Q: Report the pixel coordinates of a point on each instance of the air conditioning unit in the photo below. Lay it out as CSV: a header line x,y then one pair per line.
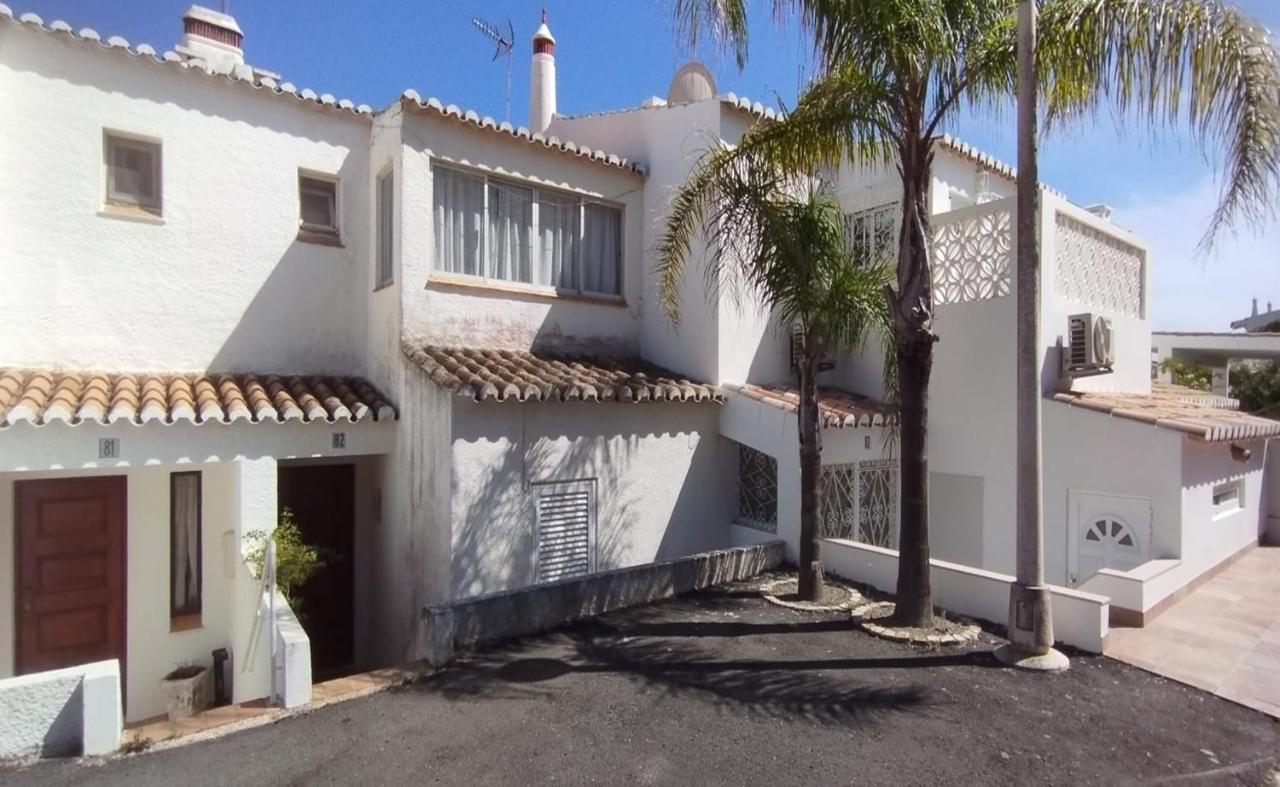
x,y
1089,346
825,364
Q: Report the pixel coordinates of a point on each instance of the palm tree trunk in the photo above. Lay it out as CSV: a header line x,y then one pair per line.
x,y
810,469
912,305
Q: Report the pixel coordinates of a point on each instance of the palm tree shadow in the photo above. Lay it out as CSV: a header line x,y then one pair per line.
x,y
823,691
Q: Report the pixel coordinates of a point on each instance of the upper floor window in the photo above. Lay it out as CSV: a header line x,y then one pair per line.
x,y
133,173
499,229
317,209
875,231
385,226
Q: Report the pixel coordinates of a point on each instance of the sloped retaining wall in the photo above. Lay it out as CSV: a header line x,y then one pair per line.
x,y
497,616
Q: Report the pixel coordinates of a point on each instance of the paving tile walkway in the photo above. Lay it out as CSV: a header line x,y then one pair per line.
x,y
1223,637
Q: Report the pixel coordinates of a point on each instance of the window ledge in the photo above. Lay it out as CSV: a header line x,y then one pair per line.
x,y
131,213
189,622
320,238
463,282
386,285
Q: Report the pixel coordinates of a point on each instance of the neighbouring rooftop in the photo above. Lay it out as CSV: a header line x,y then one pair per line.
x,y
1195,413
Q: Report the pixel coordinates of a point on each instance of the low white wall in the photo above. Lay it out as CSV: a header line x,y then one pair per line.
x,y
62,712
1079,618
293,656
1138,589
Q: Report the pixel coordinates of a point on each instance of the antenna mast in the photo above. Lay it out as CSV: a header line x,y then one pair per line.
x,y
505,42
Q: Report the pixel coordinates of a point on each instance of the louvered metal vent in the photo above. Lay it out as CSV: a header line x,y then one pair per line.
x,y
1079,337
566,525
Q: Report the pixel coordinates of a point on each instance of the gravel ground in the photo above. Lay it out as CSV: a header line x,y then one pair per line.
x,y
722,687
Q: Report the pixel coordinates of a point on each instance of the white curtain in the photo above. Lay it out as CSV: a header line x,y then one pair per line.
x,y
557,241
459,220
185,542
602,249
510,219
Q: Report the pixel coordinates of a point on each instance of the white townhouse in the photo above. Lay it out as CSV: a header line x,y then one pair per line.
x,y
435,338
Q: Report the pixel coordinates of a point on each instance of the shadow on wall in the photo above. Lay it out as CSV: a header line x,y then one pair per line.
x,y
495,540
306,317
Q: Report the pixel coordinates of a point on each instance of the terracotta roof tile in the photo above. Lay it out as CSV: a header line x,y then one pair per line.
x,y
45,396
837,409
523,376
244,75
1182,409
410,98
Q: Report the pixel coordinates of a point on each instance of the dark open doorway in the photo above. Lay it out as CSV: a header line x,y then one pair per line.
x,y
322,499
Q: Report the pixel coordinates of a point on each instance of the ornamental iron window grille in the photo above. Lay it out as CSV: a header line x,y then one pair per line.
x,y
757,490
878,503
860,502
875,231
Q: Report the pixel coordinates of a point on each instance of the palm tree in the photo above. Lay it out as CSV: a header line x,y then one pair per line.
x,y
895,71
778,239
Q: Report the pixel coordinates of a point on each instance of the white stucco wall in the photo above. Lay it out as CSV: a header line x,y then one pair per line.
x,y
656,471
1090,452
1208,539
668,141
473,316
222,283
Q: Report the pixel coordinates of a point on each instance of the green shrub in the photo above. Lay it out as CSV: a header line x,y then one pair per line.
x,y
296,561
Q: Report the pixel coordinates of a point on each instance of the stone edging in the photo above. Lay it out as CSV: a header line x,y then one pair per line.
x,y
967,632
766,591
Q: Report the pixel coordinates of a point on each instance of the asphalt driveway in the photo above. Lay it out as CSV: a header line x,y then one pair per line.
x,y
723,688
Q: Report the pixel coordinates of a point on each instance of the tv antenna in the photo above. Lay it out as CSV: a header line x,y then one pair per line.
x,y
505,42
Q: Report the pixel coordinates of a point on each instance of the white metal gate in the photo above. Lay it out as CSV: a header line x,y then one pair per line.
x,y
565,522
1107,531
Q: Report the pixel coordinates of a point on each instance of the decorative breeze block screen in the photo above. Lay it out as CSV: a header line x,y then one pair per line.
x,y
757,490
1096,269
971,257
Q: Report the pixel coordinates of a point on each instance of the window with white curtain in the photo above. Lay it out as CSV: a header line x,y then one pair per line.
x,y
499,229
184,547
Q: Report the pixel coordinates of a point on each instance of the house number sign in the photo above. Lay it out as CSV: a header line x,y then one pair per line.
x,y
108,448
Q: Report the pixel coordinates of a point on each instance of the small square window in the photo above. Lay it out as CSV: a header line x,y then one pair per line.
x,y
1228,497
133,173
317,208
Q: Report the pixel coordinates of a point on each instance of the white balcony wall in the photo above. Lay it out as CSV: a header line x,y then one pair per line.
x,y
222,283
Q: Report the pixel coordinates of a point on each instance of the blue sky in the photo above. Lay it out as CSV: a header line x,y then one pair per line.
x,y
614,53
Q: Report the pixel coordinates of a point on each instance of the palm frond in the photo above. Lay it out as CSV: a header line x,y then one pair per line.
x,y
1168,61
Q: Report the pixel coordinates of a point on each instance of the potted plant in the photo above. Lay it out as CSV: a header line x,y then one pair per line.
x,y
187,688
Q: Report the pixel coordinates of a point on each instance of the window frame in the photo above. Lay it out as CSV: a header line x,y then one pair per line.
x,y
535,233
385,227
188,617
316,233
111,140
1232,493
866,238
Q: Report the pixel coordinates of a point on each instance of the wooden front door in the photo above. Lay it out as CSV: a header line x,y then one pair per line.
x,y
322,499
70,572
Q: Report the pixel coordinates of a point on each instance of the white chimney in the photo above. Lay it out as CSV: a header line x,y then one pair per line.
x,y
212,38
542,79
